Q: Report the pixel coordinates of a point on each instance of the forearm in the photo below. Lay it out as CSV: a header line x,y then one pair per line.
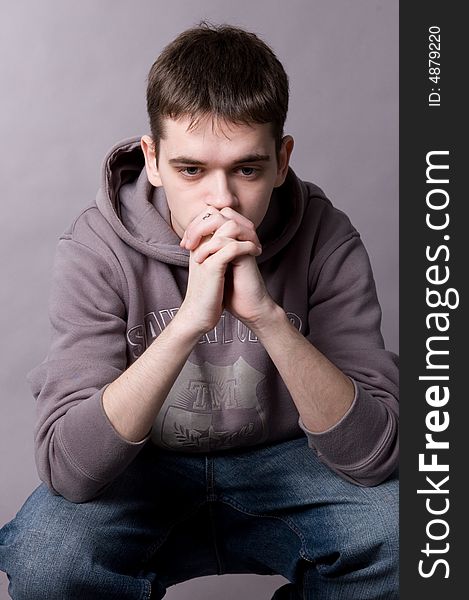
x,y
320,391
134,399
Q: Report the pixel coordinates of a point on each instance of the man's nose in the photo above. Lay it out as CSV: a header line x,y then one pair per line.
x,y
221,194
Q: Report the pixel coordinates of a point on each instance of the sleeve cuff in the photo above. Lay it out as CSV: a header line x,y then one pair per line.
x,y
354,438
92,444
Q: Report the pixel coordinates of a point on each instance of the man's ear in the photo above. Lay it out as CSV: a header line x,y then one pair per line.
x,y
284,159
148,148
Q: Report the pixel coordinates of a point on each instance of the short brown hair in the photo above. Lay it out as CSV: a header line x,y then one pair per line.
x,y
223,71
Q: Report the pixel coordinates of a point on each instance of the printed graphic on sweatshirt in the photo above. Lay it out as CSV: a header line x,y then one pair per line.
x,y
227,330
212,407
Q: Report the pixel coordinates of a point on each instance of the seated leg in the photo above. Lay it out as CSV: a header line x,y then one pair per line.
x,y
56,549
282,509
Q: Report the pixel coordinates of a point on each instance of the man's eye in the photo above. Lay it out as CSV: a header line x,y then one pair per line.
x,y
248,171
190,171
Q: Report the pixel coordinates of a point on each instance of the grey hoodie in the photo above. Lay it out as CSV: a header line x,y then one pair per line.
x,y
119,277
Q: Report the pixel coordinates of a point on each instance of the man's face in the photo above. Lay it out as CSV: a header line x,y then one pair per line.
x,y
216,165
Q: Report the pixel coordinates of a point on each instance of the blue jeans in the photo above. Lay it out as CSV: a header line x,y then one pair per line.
x,y
171,517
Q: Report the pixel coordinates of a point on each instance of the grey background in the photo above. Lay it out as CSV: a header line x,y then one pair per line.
x,y
72,77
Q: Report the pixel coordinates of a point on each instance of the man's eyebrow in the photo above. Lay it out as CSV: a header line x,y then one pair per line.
x,y
249,158
256,157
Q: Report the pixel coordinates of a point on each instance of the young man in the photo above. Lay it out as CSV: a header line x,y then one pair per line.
x,y
217,397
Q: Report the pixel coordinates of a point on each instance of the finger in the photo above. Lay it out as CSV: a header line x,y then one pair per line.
x,y
219,222
223,254
235,230
209,246
203,225
229,213
228,232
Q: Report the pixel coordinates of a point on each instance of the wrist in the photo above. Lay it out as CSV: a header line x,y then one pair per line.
x,y
185,327
270,316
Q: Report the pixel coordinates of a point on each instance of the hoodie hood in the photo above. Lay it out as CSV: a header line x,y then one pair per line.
x,y
139,214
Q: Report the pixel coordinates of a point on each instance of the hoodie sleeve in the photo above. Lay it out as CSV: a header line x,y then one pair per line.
x,y
78,451
344,324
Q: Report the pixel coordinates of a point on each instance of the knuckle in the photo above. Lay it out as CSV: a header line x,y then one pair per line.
x,y
228,228
233,225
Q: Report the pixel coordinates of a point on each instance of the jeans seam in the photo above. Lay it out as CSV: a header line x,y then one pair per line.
x,y
288,522
147,590
156,545
211,497
210,479
214,538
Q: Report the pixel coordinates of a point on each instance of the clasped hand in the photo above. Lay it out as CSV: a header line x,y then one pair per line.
x,y
223,272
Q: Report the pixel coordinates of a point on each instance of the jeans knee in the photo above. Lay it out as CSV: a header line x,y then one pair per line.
x,y
386,520
373,539
363,530
38,570
74,562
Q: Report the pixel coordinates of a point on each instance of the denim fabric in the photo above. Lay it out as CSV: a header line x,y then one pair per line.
x,y
171,517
